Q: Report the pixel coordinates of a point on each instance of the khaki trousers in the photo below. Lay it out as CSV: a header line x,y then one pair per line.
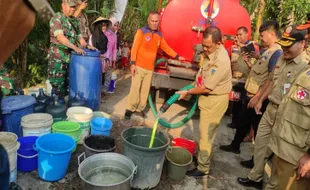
x,y
212,109
261,149
285,174
139,90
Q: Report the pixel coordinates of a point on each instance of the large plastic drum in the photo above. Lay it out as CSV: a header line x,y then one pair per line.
x,y
13,109
86,77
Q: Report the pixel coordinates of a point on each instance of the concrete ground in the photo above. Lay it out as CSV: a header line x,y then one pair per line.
x,y
225,167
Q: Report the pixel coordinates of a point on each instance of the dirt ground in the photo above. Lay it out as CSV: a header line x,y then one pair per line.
x,y
225,167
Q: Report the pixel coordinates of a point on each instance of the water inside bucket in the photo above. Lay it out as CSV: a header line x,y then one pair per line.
x,y
106,175
144,141
100,142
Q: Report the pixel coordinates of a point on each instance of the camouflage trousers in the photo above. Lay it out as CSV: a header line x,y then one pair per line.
x,y
58,75
58,70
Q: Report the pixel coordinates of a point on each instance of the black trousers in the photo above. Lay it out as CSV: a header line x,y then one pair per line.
x,y
247,119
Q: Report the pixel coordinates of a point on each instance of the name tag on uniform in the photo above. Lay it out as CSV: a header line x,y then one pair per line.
x,y
286,88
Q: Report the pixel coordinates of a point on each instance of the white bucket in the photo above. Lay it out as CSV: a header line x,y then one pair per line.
x,y
37,124
81,115
10,144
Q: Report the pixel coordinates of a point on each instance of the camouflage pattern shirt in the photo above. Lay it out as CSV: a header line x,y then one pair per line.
x,y
84,26
69,27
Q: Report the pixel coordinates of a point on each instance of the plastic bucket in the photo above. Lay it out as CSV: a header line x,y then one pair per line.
x,y
81,115
69,128
13,109
54,153
149,161
10,144
106,171
178,161
95,144
101,126
185,143
101,114
37,124
27,157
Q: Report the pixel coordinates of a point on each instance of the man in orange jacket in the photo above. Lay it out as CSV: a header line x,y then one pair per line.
x,y
143,54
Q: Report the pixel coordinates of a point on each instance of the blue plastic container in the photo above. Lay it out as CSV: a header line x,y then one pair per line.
x,y
101,126
13,109
86,77
27,157
112,86
54,153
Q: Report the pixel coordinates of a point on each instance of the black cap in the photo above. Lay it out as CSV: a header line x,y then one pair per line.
x,y
291,36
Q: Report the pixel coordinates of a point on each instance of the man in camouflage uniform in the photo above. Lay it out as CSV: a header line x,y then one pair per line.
x,y
65,36
7,84
82,17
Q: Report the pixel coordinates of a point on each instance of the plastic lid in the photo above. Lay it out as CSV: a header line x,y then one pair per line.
x,y
91,53
12,103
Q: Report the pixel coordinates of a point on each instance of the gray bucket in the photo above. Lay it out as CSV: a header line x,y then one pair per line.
x,y
106,171
149,161
178,161
95,144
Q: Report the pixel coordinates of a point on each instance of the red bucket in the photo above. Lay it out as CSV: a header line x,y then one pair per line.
x,y
184,143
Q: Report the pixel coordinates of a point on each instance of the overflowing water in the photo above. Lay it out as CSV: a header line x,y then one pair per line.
x,y
154,130
106,176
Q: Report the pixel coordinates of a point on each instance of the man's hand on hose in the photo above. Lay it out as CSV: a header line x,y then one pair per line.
x,y
133,69
303,167
79,51
182,93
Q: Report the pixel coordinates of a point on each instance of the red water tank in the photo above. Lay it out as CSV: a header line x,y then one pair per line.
x,y
180,16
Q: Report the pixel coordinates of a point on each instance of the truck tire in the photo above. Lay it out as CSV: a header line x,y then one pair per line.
x,y
160,96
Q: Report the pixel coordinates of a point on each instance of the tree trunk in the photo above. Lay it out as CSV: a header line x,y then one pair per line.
x,y
22,61
259,21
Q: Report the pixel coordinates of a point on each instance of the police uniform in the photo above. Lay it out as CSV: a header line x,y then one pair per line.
x,y
283,75
59,55
258,75
214,74
290,137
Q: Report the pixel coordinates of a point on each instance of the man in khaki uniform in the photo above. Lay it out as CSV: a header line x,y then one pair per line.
x,y
293,62
258,75
290,139
213,83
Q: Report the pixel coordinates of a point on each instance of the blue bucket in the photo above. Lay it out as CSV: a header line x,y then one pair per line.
x,y
13,175
101,126
54,153
27,157
13,109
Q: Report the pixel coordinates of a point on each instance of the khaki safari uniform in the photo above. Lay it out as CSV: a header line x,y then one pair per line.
x,y
259,72
214,74
290,137
59,55
283,75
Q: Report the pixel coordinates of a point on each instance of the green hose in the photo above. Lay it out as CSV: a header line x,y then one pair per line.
x,y
178,124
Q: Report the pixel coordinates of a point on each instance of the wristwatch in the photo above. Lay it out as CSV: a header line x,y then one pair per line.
x,y
42,7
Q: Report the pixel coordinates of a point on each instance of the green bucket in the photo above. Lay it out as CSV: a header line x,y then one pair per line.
x,y
178,161
69,128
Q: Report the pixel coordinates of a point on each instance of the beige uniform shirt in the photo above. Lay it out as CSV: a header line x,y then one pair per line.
x,y
284,74
259,71
290,138
215,72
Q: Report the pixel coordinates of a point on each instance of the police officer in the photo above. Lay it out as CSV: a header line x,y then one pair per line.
x,y
213,83
65,36
293,61
258,75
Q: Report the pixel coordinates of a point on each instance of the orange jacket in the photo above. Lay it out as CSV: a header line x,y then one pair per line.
x,y
145,46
